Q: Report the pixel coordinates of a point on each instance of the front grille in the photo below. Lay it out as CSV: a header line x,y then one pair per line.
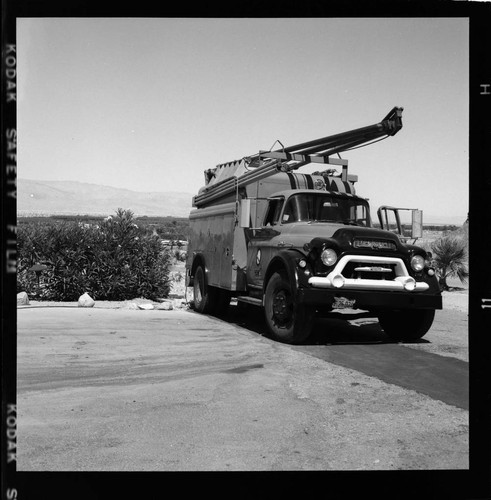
x,y
364,270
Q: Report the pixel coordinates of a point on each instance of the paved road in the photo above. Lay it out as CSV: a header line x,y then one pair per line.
x,y
117,389
360,344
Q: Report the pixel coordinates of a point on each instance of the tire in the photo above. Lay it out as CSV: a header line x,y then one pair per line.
x,y
406,325
287,321
203,294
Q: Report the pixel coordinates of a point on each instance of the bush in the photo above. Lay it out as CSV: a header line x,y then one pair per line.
x,y
450,259
114,260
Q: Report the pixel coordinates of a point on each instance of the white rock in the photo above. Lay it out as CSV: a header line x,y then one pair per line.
x,y
166,306
22,299
147,307
86,300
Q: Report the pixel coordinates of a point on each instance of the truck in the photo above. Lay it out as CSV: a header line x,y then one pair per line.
x,y
303,245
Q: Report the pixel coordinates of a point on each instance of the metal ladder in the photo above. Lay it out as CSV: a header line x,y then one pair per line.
x,y
267,163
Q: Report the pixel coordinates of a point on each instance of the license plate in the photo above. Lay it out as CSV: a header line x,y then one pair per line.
x,y
343,303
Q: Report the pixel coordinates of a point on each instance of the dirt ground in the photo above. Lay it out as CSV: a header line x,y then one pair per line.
x,y
116,389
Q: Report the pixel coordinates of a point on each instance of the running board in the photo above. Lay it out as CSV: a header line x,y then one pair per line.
x,y
250,300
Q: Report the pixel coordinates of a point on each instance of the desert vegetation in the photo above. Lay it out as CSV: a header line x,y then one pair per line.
x,y
111,259
450,256
168,228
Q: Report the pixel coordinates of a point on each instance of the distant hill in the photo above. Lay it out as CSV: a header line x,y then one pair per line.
x,y
444,219
81,198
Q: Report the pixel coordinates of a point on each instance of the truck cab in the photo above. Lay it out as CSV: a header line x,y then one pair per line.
x,y
292,218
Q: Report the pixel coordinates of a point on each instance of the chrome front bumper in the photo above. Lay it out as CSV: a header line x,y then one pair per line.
x,y
403,281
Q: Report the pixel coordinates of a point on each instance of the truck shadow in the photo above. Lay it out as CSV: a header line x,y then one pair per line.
x,y
337,329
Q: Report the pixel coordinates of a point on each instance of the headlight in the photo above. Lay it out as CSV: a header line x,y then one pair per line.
x,y
329,257
417,263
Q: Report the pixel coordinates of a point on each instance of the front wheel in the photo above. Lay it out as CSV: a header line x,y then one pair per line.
x,y
287,321
406,325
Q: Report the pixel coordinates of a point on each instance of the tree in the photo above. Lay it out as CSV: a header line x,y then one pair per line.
x,y
450,259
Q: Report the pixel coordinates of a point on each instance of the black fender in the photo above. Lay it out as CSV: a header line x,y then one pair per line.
x,y
320,242
431,281
286,260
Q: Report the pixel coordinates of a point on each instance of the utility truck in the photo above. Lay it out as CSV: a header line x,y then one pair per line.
x,y
299,245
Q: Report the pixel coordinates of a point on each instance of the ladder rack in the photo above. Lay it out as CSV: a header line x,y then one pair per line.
x,y
267,163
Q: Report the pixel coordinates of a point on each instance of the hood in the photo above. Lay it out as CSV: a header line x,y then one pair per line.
x,y
344,238
310,229
330,229
315,233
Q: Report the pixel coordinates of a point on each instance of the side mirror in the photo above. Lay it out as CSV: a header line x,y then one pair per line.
x,y
417,224
245,213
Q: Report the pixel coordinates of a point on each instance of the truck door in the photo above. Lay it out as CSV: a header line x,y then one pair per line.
x,y
260,250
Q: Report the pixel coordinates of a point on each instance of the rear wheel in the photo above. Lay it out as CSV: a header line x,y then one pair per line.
x,y
203,294
406,325
208,299
287,321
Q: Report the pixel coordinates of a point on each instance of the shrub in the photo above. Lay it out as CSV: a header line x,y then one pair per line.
x,y
114,260
450,259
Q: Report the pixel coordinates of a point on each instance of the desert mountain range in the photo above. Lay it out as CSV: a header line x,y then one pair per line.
x,y
82,198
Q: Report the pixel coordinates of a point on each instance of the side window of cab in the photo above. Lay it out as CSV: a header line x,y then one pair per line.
x,y
273,211
296,209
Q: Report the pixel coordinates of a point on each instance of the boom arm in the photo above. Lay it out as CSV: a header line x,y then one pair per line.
x,y
319,150
316,151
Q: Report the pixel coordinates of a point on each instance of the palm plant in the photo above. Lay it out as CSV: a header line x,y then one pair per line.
x,y
450,259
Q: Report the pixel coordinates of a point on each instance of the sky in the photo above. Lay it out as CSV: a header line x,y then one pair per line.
x,y
149,104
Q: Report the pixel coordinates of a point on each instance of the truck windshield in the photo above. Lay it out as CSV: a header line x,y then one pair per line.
x,y
326,207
